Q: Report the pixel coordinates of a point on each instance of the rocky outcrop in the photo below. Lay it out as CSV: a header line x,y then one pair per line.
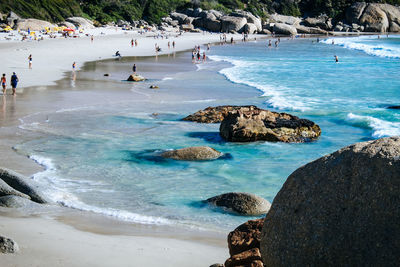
x,y
322,22
393,107
7,245
309,30
241,203
285,29
193,153
255,124
23,185
214,114
12,19
340,210
249,17
6,190
245,236
80,22
12,201
179,17
251,257
135,78
250,28
232,24
374,17
33,25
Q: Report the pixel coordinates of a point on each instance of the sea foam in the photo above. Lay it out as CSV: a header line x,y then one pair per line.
x,y
380,128
366,44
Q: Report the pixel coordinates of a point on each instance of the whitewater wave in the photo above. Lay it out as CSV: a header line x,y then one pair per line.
x,y
380,128
56,192
364,44
277,96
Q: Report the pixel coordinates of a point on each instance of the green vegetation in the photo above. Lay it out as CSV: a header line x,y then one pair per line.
x,y
153,10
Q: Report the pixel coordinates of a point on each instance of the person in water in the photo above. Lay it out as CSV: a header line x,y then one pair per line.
x,y
30,61
4,83
134,68
117,54
336,59
14,82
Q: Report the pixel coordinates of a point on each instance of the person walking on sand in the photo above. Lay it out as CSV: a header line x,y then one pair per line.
x,y
169,45
4,83
73,66
14,82
134,68
30,61
91,38
173,44
132,43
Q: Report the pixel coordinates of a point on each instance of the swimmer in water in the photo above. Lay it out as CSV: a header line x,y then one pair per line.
x,y
336,59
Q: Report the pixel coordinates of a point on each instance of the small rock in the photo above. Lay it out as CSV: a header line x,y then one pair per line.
x,y
154,87
135,78
217,265
7,245
106,74
193,153
241,203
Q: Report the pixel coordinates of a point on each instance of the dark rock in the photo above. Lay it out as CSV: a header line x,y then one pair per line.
x,y
241,203
317,22
154,87
106,74
6,190
178,16
340,210
193,153
8,245
254,124
213,114
217,265
245,236
354,12
23,184
393,107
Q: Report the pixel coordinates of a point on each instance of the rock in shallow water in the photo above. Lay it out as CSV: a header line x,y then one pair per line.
x,y
241,203
340,210
255,124
213,114
135,78
193,153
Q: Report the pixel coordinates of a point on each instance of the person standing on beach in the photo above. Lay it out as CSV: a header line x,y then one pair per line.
x,y
91,38
204,57
134,68
132,43
173,44
14,82
73,66
30,61
169,45
4,83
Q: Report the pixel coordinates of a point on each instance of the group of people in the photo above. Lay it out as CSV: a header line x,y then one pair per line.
x,y
277,41
196,54
14,83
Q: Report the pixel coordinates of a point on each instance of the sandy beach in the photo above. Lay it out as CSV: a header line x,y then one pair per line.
x,y
63,237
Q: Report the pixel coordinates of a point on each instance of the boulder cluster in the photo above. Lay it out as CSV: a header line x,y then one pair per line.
x,y
250,123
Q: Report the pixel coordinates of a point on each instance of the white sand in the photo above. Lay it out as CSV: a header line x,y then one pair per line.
x,y
47,242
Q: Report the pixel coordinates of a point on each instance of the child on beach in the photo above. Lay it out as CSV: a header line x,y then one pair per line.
x,y
30,61
14,82
4,83
73,66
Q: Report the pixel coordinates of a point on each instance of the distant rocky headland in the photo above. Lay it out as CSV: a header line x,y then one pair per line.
x,y
358,17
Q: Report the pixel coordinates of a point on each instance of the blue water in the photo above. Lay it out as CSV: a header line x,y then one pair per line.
x,y
104,158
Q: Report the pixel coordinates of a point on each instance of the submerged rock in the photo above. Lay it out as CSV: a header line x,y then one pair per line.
x,y
241,203
214,114
340,210
193,153
135,78
7,245
255,124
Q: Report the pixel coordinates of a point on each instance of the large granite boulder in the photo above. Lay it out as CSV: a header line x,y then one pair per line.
x,y
354,12
232,24
216,13
309,30
212,25
285,29
276,18
340,210
393,15
246,236
214,114
241,203
80,22
250,28
255,124
13,201
23,185
7,245
12,19
33,25
193,153
374,19
178,16
320,22
249,17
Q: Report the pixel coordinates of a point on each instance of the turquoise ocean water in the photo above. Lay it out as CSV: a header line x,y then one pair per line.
x,y
104,158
